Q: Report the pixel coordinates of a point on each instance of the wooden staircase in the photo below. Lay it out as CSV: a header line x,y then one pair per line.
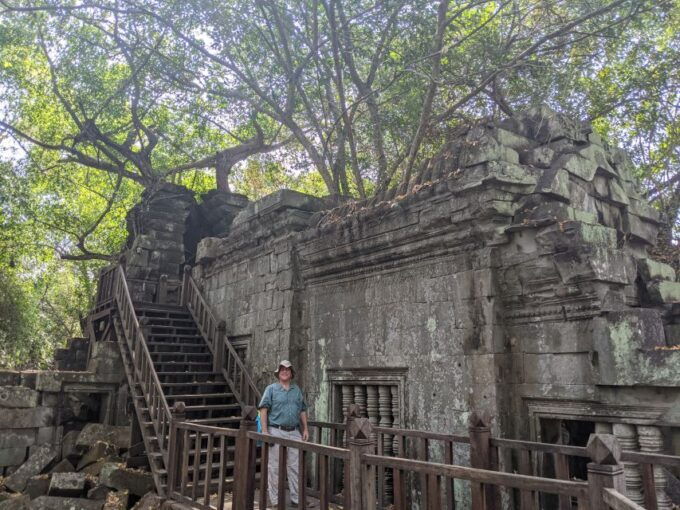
x,y
179,369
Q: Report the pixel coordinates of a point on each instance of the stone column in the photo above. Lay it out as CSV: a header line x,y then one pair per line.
x,y
347,397
372,406
385,410
603,428
651,441
396,421
360,398
627,437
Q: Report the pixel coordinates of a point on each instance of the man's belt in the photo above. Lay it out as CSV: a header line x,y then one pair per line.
x,y
285,428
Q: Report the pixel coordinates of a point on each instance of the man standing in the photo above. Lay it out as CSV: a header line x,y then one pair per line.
x,y
283,413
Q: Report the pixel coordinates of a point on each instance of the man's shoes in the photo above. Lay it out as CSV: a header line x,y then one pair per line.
x,y
294,504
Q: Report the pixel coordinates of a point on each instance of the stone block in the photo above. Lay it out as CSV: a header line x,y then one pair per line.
x,y
18,396
98,451
68,445
672,332
14,438
93,432
118,477
651,270
568,234
67,484
10,378
47,435
150,501
37,486
35,464
12,456
50,399
58,503
18,502
545,125
595,263
565,368
540,157
63,466
554,183
664,292
577,165
98,492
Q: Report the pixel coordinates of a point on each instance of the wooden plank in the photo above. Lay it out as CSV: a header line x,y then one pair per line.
x,y
424,455
562,473
434,489
566,487
222,474
208,471
527,498
302,480
197,464
399,478
648,487
283,454
264,475
617,501
185,463
324,492
381,471
449,483
330,451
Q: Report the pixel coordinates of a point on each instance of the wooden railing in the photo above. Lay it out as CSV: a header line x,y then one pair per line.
x,y
105,287
481,451
225,358
144,371
602,491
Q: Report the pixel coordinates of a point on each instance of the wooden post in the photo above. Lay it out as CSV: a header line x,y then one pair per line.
x,y
605,470
186,276
162,295
218,355
351,413
483,496
175,446
361,478
245,458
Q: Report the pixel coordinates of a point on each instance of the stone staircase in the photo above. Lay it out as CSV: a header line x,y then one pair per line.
x,y
172,375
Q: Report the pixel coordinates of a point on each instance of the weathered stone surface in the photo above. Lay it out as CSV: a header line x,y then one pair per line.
x,y
18,502
63,466
26,418
652,270
99,451
12,456
18,396
119,477
35,464
114,435
150,501
664,292
58,503
37,486
67,484
98,492
68,445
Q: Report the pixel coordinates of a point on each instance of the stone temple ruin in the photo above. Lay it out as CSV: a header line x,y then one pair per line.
x,y
511,276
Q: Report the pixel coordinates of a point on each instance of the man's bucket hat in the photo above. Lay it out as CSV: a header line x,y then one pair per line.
x,y
287,364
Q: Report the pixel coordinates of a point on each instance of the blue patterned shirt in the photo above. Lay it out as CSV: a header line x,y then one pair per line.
x,y
284,406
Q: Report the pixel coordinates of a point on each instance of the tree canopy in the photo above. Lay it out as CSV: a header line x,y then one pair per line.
x,y
100,99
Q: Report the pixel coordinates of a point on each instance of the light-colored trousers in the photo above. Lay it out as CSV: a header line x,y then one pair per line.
x,y
292,458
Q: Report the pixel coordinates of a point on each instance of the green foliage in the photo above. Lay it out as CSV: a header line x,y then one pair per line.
x,y
99,100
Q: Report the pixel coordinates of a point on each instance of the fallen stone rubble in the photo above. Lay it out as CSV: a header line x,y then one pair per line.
x,y
90,473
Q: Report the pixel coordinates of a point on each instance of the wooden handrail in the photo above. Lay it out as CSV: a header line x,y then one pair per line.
x,y
534,483
225,358
144,371
617,501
